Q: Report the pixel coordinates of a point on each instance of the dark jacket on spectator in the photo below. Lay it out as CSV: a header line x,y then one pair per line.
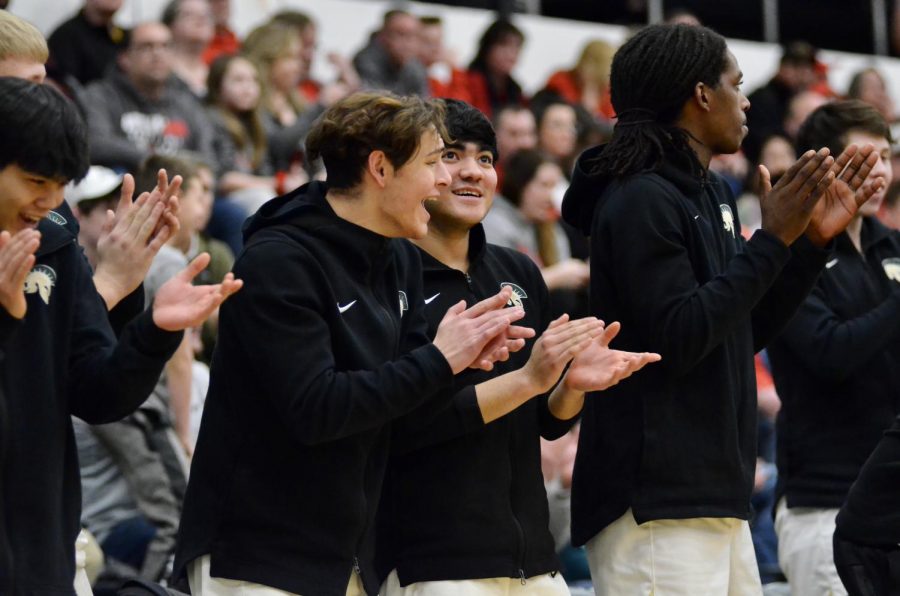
x,y
83,51
464,499
125,127
836,370
377,71
62,359
324,346
667,260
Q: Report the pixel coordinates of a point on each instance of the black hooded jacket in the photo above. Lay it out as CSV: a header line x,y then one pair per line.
x,y
677,440
61,360
325,345
836,370
464,499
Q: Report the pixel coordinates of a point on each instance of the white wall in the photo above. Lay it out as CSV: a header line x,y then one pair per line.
x,y
551,43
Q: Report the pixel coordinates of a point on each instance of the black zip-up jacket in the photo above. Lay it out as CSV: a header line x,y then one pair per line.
x,y
462,499
870,514
668,261
61,360
325,345
836,370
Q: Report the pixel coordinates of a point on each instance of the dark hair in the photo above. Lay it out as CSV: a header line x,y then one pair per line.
x,y
466,124
293,18
107,201
520,169
396,12
494,35
175,165
829,124
855,88
652,77
543,100
170,13
352,128
42,131
430,21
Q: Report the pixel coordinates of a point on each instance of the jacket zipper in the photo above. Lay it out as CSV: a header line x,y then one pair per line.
x,y
521,544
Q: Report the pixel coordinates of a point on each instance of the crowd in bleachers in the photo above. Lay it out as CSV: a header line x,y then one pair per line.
x,y
231,115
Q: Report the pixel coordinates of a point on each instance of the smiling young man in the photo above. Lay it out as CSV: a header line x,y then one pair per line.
x,y
465,509
58,354
836,364
329,346
665,463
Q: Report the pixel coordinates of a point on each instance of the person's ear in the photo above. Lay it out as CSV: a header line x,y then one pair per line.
x,y
701,96
379,167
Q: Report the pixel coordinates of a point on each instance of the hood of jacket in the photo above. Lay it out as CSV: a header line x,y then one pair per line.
x,y
588,189
305,215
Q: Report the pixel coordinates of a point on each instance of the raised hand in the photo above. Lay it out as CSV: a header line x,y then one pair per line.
x,y
16,260
179,304
598,367
787,207
842,199
558,345
133,235
464,333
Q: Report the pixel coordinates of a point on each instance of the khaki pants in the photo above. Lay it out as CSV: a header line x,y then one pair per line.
x,y
683,557
541,585
204,585
805,551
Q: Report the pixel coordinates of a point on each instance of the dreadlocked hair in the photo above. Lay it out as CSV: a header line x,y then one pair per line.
x,y
652,77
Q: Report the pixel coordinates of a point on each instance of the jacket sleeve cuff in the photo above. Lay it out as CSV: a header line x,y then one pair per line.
x,y
466,403
152,341
552,427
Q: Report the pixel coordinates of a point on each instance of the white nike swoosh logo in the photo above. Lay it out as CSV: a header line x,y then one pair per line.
x,y
430,300
831,263
696,217
345,308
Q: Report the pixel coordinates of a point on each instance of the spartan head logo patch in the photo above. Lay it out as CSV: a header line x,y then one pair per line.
x,y
892,268
41,281
57,218
518,294
727,219
404,302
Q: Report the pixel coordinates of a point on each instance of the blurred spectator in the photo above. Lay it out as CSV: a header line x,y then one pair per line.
x,y
275,49
799,108
390,60
90,199
681,16
23,50
224,40
525,218
769,104
889,211
192,27
587,84
239,140
777,155
346,80
490,74
516,130
85,46
868,85
557,130
557,465
444,78
139,108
